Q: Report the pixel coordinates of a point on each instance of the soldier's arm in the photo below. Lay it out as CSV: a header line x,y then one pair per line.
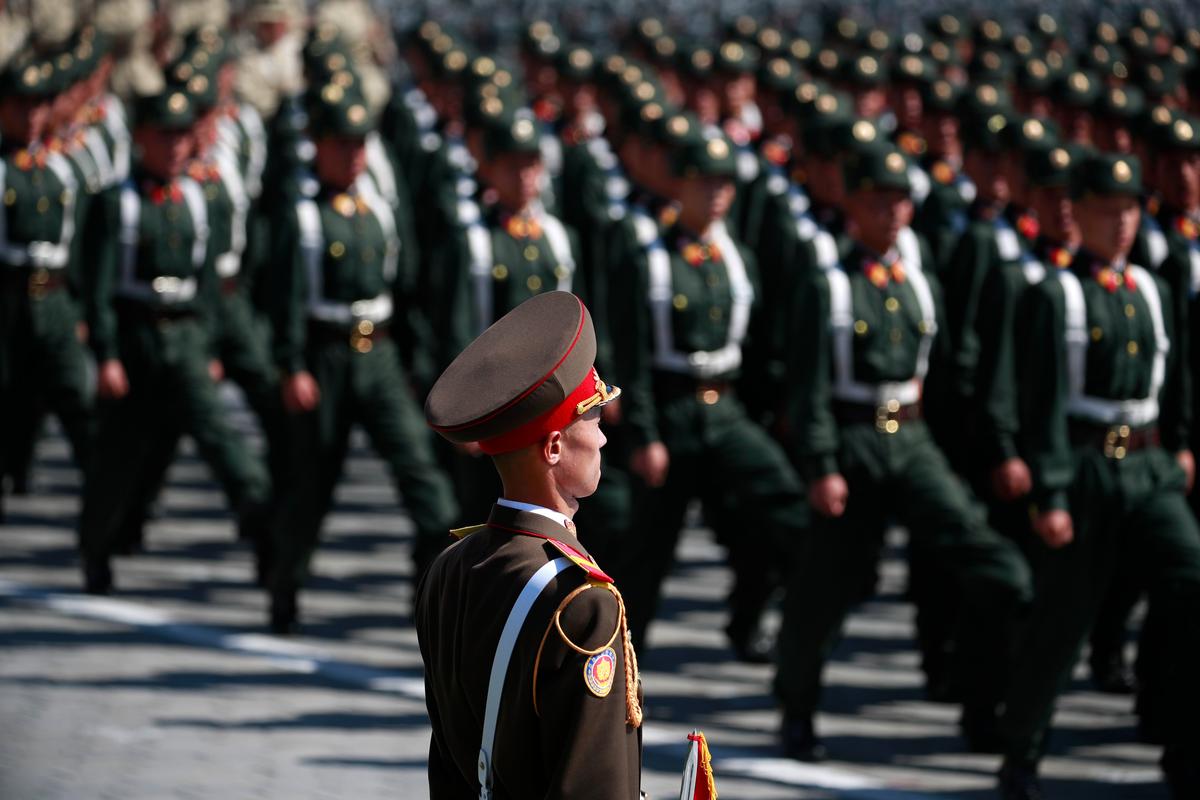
x,y
1044,438
996,381
629,321
586,743
811,398
967,269
289,288
104,242
1174,421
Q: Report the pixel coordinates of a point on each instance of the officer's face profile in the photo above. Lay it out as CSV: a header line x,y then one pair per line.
x,y
987,172
941,135
704,200
1113,136
340,159
164,151
875,216
907,104
1055,212
826,184
576,467
1108,224
1176,177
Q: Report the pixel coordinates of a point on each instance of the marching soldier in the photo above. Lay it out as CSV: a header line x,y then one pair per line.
x,y
868,334
151,317
1104,430
335,282
531,680
942,218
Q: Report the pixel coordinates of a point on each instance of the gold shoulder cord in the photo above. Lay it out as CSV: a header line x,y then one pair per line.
x,y
633,709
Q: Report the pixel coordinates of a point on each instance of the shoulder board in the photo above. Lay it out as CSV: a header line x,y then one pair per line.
x,y
583,562
462,533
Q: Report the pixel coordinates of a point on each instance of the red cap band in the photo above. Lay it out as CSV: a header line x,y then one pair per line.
x,y
555,419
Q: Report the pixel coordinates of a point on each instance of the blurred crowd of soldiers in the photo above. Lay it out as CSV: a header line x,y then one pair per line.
x,y
938,275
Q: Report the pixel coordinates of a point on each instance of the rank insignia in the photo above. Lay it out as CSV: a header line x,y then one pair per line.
x,y
599,671
1060,257
1028,225
1187,227
943,172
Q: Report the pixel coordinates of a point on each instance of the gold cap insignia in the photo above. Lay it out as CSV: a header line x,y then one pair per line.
x,y
356,114
717,148
827,59
987,95
177,103
878,39
522,130
780,68
30,76
827,104
801,49
1121,172
332,94
894,162
1060,158
580,59
1183,130
863,131
732,51
996,123
678,126
1080,82
702,59
455,60
483,67
867,65
1161,115
1033,129
770,38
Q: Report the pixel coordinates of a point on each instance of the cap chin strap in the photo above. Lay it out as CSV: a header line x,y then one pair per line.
x,y
508,640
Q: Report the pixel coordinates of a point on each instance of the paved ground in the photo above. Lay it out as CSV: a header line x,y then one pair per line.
x,y
171,690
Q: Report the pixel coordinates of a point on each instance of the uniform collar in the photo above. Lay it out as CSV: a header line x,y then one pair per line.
x,y
541,511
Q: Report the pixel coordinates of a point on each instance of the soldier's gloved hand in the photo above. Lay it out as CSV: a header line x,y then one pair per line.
x,y
300,393
111,383
1187,462
828,495
1011,480
216,370
1055,527
651,463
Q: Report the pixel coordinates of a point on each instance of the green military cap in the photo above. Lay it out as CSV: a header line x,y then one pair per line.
x,y
779,75
708,155
879,167
801,50
983,100
1029,134
743,28
171,108
675,129
945,26
647,30
770,41
1151,119
696,61
576,63
826,129
1023,47
827,63
990,66
1183,57
844,30
535,36
877,42
1049,167
210,39
985,112
1139,41
1158,78
865,70
1105,33
531,373
481,110
941,95
1043,25
1107,174
33,77
1151,20
1124,102
452,65
323,57
804,96
864,134
914,68
990,33
736,58
664,49
511,133
1077,89
1034,76
1183,133
648,121
943,54
334,110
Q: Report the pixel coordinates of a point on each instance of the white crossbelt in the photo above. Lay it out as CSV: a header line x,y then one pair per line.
x,y
164,289
841,318
504,649
50,255
1137,412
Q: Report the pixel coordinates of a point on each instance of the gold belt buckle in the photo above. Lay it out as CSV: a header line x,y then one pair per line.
x,y
887,417
360,337
1116,442
37,283
709,396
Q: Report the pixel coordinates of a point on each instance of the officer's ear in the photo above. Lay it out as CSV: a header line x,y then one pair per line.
x,y
552,448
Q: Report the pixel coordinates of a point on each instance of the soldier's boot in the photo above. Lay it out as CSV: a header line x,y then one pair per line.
x,y
254,526
798,737
97,576
980,728
1019,782
1111,673
285,612
1181,768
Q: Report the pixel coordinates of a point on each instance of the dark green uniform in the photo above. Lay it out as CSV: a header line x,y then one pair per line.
x,y
866,336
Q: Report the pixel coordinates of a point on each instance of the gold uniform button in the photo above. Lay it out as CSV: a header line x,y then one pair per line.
x,y
923,327
710,397
680,302
65,197
210,192
891,426
363,345
860,327
561,272
895,336
1130,311
534,283
337,249
40,277
43,204
1097,334
10,196
892,304
712,281
365,327
500,272
531,253
1132,348
715,314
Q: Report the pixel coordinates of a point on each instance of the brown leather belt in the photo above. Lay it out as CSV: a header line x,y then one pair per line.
x,y
152,313
885,418
707,392
37,282
361,336
1115,441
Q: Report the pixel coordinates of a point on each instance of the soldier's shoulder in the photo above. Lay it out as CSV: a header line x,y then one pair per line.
x,y
589,614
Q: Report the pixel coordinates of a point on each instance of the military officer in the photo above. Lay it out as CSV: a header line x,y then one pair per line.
x,y
335,267
151,312
866,339
942,218
684,315
1104,430
41,355
531,680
